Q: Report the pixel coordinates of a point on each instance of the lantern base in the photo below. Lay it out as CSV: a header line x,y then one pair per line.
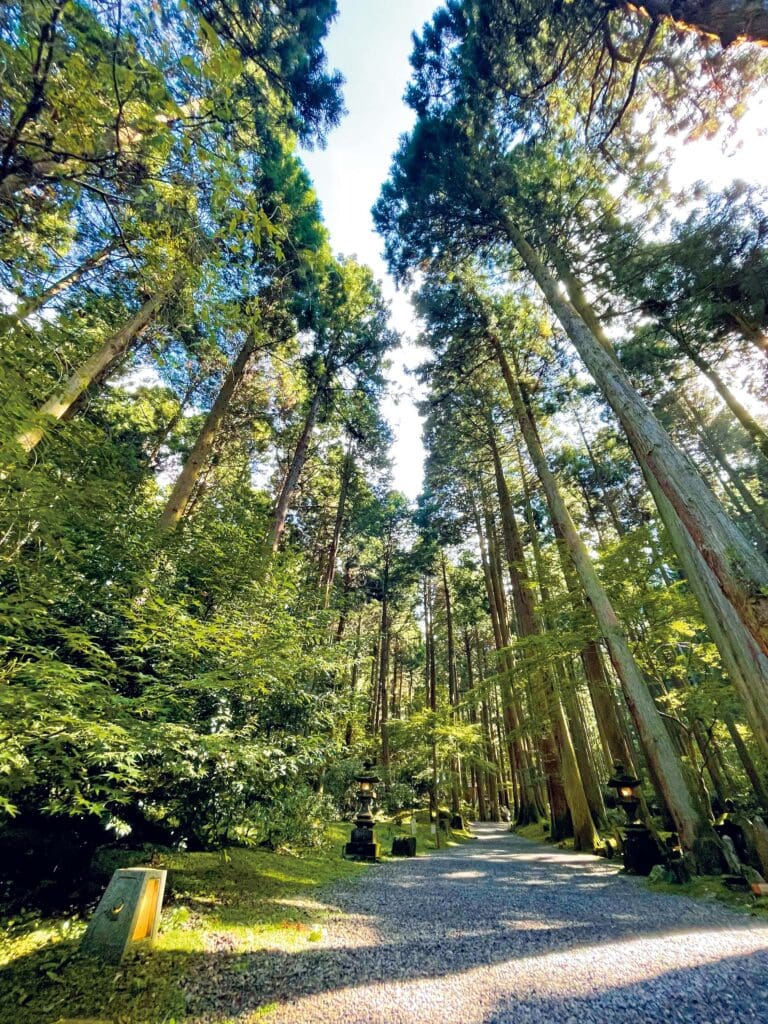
x,y
362,845
363,851
404,846
641,853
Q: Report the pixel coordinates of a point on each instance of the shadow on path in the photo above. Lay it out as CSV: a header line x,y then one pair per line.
x,y
494,931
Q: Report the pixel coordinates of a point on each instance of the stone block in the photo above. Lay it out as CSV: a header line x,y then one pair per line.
x,y
128,913
405,846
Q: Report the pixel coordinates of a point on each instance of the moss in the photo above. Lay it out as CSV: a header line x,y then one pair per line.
x,y
236,901
711,888
538,832
226,903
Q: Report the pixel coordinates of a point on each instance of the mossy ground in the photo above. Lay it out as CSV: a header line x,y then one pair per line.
x,y
233,902
712,889
538,832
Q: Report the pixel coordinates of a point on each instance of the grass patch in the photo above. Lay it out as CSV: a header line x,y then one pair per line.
x,y
426,842
538,832
710,888
223,904
534,831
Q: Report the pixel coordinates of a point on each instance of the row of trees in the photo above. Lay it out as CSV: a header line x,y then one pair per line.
x,y
213,603
545,290
190,423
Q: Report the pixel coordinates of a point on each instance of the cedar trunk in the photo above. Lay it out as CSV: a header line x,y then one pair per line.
x,y
95,368
199,456
696,834
742,577
294,472
563,762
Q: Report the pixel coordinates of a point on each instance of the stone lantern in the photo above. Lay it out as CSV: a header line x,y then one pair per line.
x,y
641,851
362,844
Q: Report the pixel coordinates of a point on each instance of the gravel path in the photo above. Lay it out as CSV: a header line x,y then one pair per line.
x,y
501,930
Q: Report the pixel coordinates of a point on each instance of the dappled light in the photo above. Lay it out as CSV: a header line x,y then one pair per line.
x,y
383,512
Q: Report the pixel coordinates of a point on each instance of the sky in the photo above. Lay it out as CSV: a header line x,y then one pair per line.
x,y
370,43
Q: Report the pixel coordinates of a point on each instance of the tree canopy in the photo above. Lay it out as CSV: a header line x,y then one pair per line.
x,y
215,604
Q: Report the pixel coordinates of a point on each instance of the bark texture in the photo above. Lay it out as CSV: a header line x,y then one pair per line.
x,y
333,548
744,658
564,762
741,574
294,472
727,20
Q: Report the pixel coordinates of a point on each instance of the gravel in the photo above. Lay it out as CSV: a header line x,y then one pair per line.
x,y
502,930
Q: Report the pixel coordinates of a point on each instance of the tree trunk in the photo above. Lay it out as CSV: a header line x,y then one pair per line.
x,y
696,834
722,474
751,333
742,656
374,689
578,730
201,451
745,663
743,415
597,469
728,20
384,663
479,773
431,702
330,571
609,722
536,744
742,576
349,731
528,809
563,757
756,780
95,369
28,307
706,745
294,472
614,739
531,624
453,686
710,443
492,776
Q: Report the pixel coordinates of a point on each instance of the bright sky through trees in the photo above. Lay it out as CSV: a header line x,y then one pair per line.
x,y
348,174
370,43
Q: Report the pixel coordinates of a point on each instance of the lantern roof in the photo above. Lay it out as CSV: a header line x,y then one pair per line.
x,y
367,774
621,779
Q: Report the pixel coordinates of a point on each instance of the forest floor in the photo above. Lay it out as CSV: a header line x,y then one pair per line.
x,y
218,906
491,931
502,930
